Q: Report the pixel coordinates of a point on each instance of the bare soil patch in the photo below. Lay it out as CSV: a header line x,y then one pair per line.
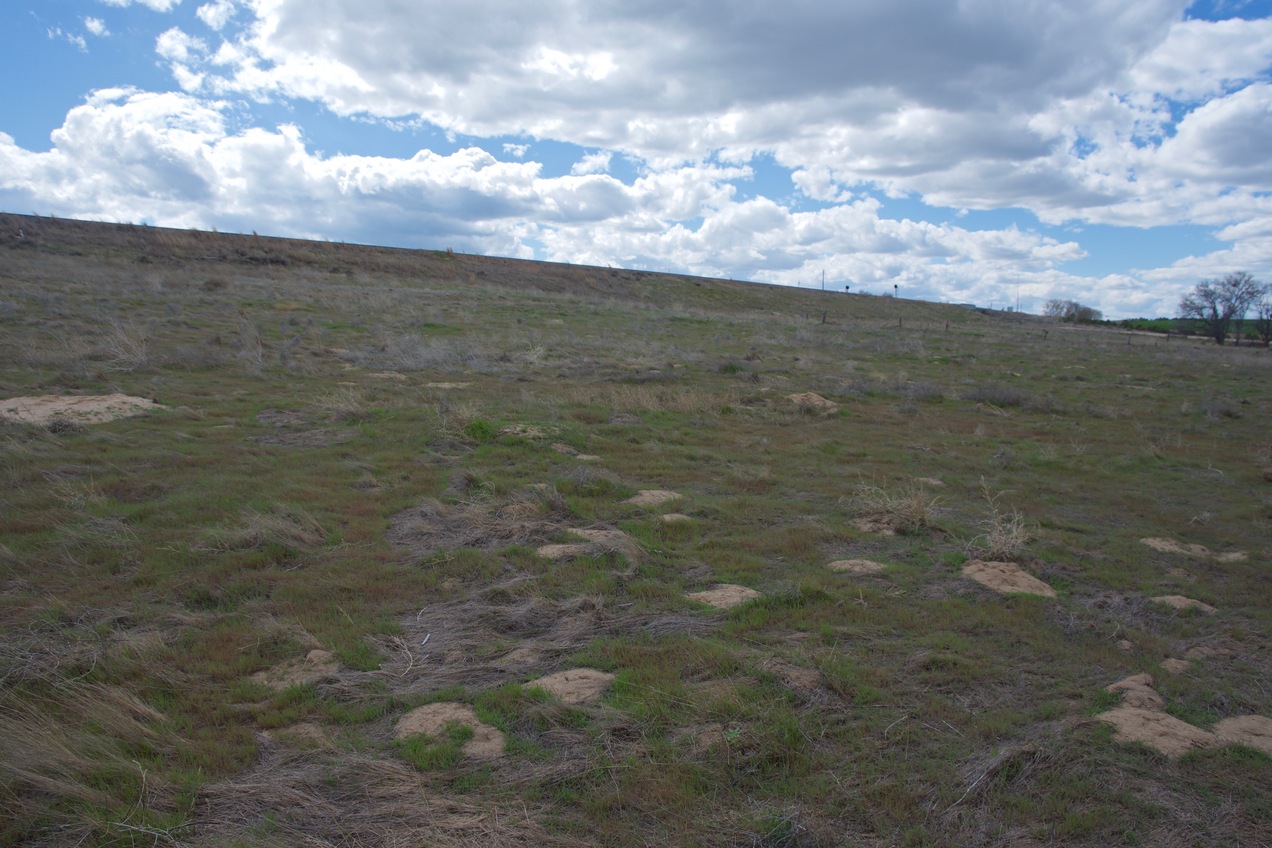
x,y
1157,730
564,551
724,595
857,566
1176,666
811,402
610,540
1007,577
652,497
1137,691
80,409
487,742
676,518
1171,546
527,431
795,677
315,666
1179,602
576,685
1253,731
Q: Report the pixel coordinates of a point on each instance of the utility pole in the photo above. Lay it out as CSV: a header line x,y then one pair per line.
x,y
823,279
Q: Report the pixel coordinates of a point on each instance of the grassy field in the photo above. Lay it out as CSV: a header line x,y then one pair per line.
x,y
217,617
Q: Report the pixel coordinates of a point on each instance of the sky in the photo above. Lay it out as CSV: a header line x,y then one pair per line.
x,y
995,152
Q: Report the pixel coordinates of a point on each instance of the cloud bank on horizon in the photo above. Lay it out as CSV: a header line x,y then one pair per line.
x,y
962,151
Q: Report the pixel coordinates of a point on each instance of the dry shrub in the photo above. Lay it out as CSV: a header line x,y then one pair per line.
x,y
126,346
1006,533
907,510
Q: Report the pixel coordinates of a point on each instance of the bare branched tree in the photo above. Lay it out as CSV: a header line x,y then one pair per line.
x,y
1221,304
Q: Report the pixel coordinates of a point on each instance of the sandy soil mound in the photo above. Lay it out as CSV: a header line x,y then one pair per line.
x,y
317,665
1175,666
652,497
876,524
302,735
811,402
565,551
487,742
1253,731
610,540
857,566
566,450
81,409
575,686
1170,546
1180,602
1006,577
724,595
676,518
1137,691
794,676
527,431
1157,730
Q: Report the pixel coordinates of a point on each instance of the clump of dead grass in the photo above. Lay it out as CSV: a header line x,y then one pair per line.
x,y
527,518
126,346
908,509
1006,532
285,525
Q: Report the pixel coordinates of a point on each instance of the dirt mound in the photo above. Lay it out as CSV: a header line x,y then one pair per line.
x,y
795,677
575,686
1157,730
1252,730
1006,577
652,497
676,518
487,742
316,665
79,409
1170,546
811,402
882,525
526,431
560,552
857,566
610,540
1179,602
1137,691
1175,666
302,735
566,450
724,595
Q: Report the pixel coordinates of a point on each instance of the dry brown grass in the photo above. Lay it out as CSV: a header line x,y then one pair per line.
x,y
1007,532
907,509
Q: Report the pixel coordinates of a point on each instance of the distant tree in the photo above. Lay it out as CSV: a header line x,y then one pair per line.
x,y
1263,317
1071,311
1220,304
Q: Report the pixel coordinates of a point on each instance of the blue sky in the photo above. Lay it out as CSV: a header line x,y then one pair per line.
x,y
958,151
